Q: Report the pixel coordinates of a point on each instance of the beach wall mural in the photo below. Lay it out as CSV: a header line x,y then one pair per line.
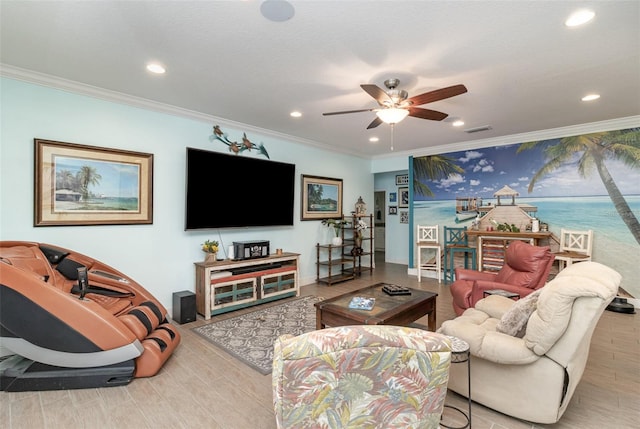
x,y
582,182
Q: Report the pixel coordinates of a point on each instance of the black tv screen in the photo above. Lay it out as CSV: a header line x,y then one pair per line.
x,y
229,191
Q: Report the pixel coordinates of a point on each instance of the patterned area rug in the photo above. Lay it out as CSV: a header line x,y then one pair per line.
x,y
250,337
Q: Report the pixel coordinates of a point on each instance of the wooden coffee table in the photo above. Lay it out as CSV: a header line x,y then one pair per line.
x,y
398,310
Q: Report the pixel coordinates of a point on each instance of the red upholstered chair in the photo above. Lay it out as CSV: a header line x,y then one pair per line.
x,y
525,269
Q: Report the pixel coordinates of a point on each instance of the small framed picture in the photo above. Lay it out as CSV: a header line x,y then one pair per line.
x,y
402,179
392,197
403,197
321,198
404,217
393,210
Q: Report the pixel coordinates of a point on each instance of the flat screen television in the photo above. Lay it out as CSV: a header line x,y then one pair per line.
x,y
231,191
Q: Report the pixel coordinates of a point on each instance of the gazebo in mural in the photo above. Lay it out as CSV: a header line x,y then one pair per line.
x,y
506,210
505,192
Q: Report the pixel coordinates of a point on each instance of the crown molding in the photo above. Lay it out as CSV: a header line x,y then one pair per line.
x,y
553,133
55,82
74,87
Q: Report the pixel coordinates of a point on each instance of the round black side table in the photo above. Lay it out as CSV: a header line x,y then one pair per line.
x,y
460,354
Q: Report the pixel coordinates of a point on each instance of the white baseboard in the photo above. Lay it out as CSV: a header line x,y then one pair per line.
x,y
634,301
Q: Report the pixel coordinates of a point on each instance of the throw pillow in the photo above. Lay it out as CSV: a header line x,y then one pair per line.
x,y
514,321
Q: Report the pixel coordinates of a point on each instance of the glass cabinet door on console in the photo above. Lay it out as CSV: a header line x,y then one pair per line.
x,y
229,285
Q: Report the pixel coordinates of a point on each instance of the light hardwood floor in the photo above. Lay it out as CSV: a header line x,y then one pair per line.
x,y
202,386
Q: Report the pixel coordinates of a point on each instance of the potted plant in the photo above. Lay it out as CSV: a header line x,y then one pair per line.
x,y
337,224
210,248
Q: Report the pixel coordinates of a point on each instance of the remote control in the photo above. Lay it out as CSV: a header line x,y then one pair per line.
x,y
390,289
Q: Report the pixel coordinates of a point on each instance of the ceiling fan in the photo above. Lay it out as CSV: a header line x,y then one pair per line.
x,y
395,106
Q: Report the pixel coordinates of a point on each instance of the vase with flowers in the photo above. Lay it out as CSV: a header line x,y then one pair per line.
x,y
337,225
210,249
360,227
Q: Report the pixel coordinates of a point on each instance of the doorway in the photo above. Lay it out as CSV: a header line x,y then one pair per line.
x,y
379,216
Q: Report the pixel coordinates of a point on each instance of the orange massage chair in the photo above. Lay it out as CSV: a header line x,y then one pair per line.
x,y
71,322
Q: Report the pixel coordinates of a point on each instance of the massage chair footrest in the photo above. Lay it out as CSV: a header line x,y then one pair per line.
x,y
18,374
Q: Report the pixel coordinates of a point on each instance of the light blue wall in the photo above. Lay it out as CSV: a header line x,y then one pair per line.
x,y
396,233
159,256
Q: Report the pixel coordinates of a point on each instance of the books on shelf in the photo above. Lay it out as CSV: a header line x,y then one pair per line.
x,y
362,303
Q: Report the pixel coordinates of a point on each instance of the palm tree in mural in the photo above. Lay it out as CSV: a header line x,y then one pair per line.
x,y
87,176
432,167
595,149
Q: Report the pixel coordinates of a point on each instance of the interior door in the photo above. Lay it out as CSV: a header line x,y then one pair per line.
x,y
379,219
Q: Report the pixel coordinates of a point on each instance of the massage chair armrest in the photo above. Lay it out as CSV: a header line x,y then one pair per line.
x,y
469,274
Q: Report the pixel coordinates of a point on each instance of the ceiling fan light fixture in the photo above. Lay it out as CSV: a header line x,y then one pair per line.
x,y
580,17
393,115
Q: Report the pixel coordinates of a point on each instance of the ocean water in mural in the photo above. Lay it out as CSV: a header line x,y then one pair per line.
x,y
613,246
571,180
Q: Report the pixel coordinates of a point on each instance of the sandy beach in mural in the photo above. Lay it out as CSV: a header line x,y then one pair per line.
x,y
613,245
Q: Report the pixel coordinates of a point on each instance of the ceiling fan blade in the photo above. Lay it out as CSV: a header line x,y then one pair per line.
x,y
346,111
377,93
438,94
377,121
419,112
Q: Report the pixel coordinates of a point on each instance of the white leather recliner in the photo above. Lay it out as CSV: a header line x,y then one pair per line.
x,y
534,377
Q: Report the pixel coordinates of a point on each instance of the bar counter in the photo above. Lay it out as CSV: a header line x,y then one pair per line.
x,y
492,244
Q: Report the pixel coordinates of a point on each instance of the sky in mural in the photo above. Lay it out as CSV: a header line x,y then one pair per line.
x,y
487,170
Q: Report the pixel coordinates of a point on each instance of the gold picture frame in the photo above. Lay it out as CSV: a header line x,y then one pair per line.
x,y
321,198
77,184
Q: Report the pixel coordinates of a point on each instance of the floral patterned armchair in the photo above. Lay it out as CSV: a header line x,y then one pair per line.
x,y
361,376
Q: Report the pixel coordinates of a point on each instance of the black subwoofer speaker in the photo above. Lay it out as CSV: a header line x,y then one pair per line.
x,y
184,307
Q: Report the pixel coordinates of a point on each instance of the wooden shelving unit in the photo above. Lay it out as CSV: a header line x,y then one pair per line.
x,y
364,259
332,264
335,264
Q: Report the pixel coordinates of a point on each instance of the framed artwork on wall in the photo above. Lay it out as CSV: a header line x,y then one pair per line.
x,y
393,210
403,197
402,179
86,185
404,216
321,198
392,197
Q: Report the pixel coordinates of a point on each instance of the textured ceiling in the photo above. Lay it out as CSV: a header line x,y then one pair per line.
x,y
524,70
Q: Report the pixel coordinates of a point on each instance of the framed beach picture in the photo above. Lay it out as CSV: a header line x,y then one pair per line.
x,y
403,197
321,198
86,185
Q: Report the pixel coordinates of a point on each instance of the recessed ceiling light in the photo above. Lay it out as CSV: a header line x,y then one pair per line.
x,y
277,10
374,139
295,114
458,123
155,68
590,97
580,17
